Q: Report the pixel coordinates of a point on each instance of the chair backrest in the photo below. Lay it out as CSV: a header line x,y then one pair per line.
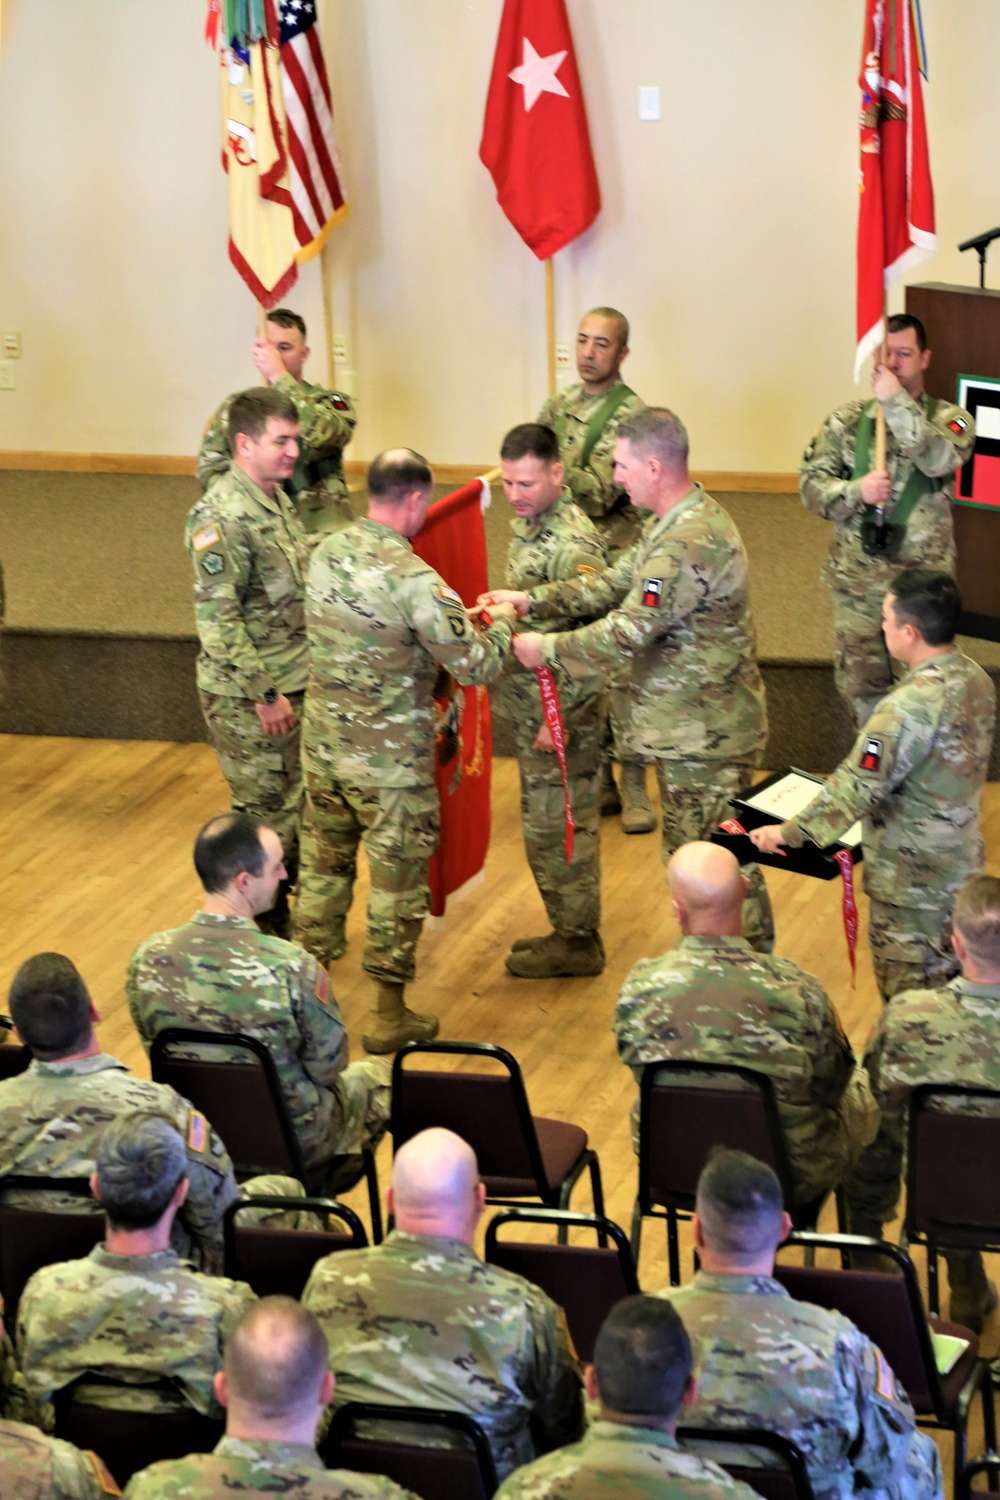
x,y
989,1465
243,1101
887,1308
14,1056
952,1185
488,1110
467,1471
130,1440
679,1125
586,1281
786,1479
34,1237
279,1261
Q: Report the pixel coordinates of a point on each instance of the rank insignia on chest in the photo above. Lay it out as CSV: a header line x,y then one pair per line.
x,y
652,589
871,755
213,562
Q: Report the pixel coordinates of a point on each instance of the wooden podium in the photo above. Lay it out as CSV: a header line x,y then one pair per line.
x,y
963,331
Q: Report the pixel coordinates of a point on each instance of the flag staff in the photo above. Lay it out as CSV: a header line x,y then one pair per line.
x,y
550,322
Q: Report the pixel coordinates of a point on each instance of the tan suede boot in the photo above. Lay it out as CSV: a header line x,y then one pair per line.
x,y
973,1295
559,957
392,1025
637,810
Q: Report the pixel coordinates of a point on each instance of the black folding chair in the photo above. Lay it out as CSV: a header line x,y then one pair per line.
x,y
277,1261
14,1056
465,1472
952,1184
245,1104
520,1155
130,1440
989,1465
890,1311
586,1281
785,1479
33,1237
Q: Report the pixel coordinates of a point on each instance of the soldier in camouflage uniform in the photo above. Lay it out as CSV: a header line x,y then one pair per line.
x,y
52,1115
765,1360
421,1320
947,1035
553,540
274,1385
35,1467
381,623
220,973
249,556
915,776
678,606
131,1310
317,486
713,999
586,419
926,441
642,1379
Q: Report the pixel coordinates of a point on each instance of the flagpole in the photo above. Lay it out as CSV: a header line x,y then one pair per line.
x,y
550,322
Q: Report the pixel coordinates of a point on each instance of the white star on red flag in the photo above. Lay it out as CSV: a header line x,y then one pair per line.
x,y
537,75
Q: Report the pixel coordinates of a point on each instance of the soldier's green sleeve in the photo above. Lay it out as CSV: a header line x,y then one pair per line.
x,y
887,1433
832,1057
213,1185
78,1476
875,1181
929,442
326,418
555,1386
436,613
223,562
134,994
824,478
855,790
325,1049
586,595
215,455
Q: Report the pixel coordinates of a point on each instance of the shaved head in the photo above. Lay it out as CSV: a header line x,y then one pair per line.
x,y
435,1185
707,888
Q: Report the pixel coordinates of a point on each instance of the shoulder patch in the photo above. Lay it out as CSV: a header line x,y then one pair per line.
x,y
871,754
197,1136
103,1473
884,1384
585,568
446,592
652,590
213,563
205,538
340,403
958,425
322,985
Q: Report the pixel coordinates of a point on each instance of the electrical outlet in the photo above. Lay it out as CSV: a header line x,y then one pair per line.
x,y
12,346
649,103
562,356
7,381
339,350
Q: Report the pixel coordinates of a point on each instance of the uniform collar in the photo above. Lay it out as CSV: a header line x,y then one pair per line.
x,y
275,503
381,529
694,496
222,919
429,1245
139,1265
529,531
737,1286
301,1455
620,1432
707,942
99,1063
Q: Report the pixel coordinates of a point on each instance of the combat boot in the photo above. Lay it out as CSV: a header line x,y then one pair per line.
x,y
392,1024
637,810
611,804
973,1296
557,957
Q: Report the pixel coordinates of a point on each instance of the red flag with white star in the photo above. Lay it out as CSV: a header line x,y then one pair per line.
x,y
535,143
896,211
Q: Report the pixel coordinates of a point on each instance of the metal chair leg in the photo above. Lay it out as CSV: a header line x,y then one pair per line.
x,y
374,1206
635,1238
597,1192
673,1249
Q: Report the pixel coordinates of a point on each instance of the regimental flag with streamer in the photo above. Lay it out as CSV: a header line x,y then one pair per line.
x,y
896,212
285,178
536,145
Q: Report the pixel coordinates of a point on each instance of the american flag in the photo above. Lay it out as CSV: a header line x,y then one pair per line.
x,y
315,175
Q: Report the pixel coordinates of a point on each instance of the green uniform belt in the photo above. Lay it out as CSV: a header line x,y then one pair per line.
x,y
917,485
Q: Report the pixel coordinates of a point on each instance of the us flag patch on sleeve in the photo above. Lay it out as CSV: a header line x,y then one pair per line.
x,y
871,755
652,589
197,1132
204,538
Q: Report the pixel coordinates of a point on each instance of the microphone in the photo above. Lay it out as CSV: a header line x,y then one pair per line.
x,y
979,242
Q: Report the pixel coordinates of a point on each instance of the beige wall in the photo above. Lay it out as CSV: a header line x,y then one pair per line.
x,y
727,232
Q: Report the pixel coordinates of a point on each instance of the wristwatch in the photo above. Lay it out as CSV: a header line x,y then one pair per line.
x,y
270,695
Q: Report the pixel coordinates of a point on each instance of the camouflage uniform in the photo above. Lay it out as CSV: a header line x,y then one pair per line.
x,y
317,488
765,1360
35,1467
137,1319
677,606
254,1466
713,999
424,1321
613,1461
560,543
947,1036
248,552
932,445
52,1118
915,775
221,973
593,487
380,623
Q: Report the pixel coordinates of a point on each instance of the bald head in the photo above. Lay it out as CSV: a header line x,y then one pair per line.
x,y
707,890
435,1186
275,1362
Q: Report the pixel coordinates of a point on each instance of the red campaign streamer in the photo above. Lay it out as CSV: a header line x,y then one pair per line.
x,y
553,719
732,826
845,860
212,23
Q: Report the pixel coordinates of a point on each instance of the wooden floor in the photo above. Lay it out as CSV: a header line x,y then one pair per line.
x,y
98,838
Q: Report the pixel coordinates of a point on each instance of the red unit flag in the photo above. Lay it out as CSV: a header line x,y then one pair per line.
x,y
896,212
535,143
